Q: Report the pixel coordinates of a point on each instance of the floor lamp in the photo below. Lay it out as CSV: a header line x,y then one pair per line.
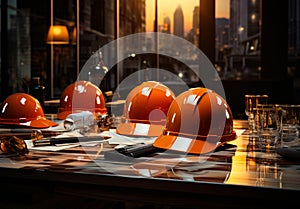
x,y
57,34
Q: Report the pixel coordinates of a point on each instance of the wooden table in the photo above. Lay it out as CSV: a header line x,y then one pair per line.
x,y
238,175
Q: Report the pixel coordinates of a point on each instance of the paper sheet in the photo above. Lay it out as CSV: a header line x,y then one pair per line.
x,y
125,140
50,148
239,131
59,147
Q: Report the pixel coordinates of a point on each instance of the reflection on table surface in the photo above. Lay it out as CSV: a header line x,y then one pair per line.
x,y
239,162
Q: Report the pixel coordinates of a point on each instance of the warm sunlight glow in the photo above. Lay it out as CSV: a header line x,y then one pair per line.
x,y
166,8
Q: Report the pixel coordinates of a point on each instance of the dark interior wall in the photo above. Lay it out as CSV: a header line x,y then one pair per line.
x,y
279,91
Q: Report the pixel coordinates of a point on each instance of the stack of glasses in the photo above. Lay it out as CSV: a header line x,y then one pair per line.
x,y
275,125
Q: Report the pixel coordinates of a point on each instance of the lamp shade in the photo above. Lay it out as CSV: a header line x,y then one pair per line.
x,y
58,34
74,36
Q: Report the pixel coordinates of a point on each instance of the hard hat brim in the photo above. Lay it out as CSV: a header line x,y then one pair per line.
x,y
62,113
36,123
190,145
139,129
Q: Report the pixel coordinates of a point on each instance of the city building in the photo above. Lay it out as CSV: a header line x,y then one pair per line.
x,y
194,117
166,27
178,22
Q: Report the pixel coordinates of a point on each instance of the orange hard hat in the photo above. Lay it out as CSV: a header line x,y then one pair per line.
x,y
145,109
23,110
81,96
198,121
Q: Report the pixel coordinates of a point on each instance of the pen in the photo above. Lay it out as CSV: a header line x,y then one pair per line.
x,y
16,130
138,150
28,133
64,140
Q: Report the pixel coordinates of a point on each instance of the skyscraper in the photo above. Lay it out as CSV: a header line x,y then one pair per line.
x,y
196,29
178,22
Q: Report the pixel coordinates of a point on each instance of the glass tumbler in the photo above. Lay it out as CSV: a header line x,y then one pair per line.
x,y
267,125
251,102
290,125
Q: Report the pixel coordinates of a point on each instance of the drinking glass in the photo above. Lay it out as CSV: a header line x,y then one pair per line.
x,y
290,125
251,102
267,125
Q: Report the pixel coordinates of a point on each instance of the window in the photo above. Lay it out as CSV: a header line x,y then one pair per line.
x,y
92,24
